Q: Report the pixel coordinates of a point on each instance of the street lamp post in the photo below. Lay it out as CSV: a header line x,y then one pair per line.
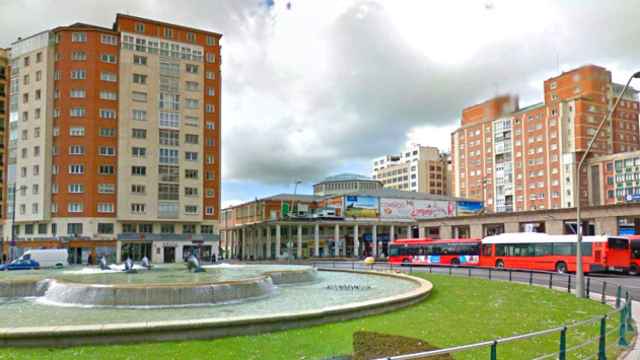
x,y
579,268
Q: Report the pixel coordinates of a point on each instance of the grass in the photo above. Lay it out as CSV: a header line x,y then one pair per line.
x,y
459,311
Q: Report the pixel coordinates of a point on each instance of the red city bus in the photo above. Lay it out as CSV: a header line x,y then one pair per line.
x,y
634,266
537,251
435,252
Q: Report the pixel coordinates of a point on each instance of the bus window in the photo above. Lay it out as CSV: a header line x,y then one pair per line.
x,y
543,249
565,249
635,249
617,243
394,251
486,250
501,250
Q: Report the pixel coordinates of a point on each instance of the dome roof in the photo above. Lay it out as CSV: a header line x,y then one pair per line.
x,y
346,177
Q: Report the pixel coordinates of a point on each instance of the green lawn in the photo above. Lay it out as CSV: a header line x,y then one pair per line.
x,y
459,311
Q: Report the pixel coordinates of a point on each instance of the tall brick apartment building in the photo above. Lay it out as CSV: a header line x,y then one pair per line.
x,y
114,140
518,159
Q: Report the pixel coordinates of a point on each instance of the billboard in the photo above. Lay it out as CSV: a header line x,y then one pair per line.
x,y
469,207
415,209
361,206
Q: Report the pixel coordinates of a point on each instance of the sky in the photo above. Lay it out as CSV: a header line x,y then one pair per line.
x,y
315,88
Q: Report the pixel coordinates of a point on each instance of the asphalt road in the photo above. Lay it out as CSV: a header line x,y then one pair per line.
x,y
594,282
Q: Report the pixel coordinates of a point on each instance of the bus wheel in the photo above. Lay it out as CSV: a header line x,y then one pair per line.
x,y
633,270
561,267
499,264
455,262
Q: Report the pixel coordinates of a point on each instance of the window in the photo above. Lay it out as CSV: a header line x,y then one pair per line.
x,y
38,75
169,137
193,86
138,189
35,189
210,193
191,173
139,96
75,207
76,131
211,91
209,211
76,188
78,74
139,133
76,169
107,151
106,170
168,33
139,28
191,209
168,191
169,102
210,175
105,207
189,228
138,151
190,191
168,156
170,120
139,60
211,41
36,132
192,121
26,61
191,139
107,76
192,103
140,79
211,58
78,93
210,108
108,58
210,75
106,188
108,95
139,170
191,156
192,68
168,173
167,229
78,37
138,208
105,228
107,132
191,37
76,150
139,115
77,112
78,56
108,39
107,113
37,112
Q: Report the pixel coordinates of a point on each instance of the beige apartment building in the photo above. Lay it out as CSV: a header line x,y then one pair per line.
x,y
417,168
114,141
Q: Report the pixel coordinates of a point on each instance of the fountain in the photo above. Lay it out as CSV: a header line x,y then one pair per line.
x,y
92,305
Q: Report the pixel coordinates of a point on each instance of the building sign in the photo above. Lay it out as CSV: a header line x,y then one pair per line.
x,y
415,209
284,211
469,207
632,197
361,206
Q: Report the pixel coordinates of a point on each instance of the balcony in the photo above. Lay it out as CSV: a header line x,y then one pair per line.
x,y
167,237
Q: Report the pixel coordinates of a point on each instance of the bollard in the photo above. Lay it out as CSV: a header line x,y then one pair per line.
x,y
604,290
550,280
618,295
510,275
569,284
530,277
602,343
623,329
588,287
494,350
562,355
489,274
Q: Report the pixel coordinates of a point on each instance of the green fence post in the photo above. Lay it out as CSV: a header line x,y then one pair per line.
x,y
569,284
629,313
450,271
562,355
623,329
588,287
531,278
602,343
494,350
604,290
618,295
550,280
489,274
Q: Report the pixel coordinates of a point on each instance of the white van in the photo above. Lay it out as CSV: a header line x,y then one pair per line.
x,y
47,257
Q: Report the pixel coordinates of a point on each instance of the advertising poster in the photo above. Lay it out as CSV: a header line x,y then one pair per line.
x,y
469,207
332,203
361,206
415,209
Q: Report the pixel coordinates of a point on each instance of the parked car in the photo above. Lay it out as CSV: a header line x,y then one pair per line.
x,y
47,257
21,264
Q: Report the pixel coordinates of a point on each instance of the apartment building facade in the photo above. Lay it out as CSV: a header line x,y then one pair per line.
x,y
114,141
417,168
526,159
4,106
